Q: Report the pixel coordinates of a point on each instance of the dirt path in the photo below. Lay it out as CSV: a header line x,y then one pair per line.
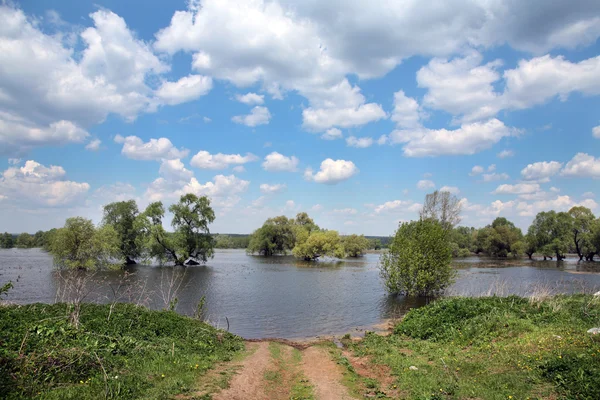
x,y
324,374
278,371
248,383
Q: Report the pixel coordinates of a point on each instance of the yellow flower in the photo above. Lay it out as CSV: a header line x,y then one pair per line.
x,y
163,375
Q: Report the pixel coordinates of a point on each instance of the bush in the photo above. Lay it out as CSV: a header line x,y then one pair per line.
x,y
418,262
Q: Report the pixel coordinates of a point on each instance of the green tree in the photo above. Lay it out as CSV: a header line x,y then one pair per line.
x,y
191,241
315,244
121,216
7,241
354,245
443,207
276,236
462,241
25,241
39,239
80,245
530,243
504,238
375,244
418,262
552,233
581,228
224,242
48,238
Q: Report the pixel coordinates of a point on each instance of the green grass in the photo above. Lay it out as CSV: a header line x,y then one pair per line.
x,y
494,348
137,353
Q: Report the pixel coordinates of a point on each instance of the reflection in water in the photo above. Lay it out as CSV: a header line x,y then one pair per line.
x,y
283,297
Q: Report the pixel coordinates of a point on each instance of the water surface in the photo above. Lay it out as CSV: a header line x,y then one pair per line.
x,y
282,297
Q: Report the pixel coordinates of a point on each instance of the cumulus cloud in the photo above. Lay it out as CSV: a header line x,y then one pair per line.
x,y
359,143
258,116
398,205
250,98
596,132
582,165
425,184
345,211
519,188
406,113
495,177
205,160
476,170
541,171
275,162
451,189
35,185
185,89
468,139
155,149
272,189
332,134
505,154
93,145
332,172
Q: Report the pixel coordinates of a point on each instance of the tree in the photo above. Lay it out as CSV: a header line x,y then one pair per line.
x,y
7,241
276,236
191,241
121,216
552,233
354,245
25,241
39,239
315,244
462,241
375,244
80,245
443,207
530,244
504,238
224,242
581,228
418,262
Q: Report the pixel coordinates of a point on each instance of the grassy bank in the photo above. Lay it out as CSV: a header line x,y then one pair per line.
x,y
131,352
489,348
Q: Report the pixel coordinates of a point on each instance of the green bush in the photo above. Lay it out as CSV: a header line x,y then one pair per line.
x,y
418,262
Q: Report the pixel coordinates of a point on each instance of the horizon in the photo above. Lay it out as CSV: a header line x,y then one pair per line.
x,y
350,112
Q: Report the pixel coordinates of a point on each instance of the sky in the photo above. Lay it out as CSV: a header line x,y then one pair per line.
x,y
349,110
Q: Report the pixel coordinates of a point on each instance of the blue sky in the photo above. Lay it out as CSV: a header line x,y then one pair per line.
x,y
349,110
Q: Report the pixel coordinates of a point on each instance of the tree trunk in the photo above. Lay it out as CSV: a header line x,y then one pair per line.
x,y
129,261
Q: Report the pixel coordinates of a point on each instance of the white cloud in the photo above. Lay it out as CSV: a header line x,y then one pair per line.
x,y
407,113
271,189
468,139
316,208
541,171
519,188
451,189
505,154
360,143
205,160
278,162
383,139
588,195
258,116
93,145
582,165
185,89
495,177
476,170
596,132
324,118
14,161
35,185
461,86
345,211
332,134
250,98
398,205
175,171
155,149
425,184
332,172
239,169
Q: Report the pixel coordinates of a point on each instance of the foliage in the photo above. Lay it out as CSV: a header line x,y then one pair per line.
x,y
5,288
462,241
136,353
25,241
493,348
315,244
191,239
551,232
354,245
121,216
7,241
443,207
276,236
418,261
375,244
583,226
81,245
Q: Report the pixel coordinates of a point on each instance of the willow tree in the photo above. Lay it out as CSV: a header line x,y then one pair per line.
x,y
581,228
121,216
190,243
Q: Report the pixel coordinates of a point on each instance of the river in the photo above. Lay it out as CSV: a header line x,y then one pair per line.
x,y
282,297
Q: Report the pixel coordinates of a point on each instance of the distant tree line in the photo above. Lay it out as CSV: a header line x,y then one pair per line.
x,y
25,240
551,235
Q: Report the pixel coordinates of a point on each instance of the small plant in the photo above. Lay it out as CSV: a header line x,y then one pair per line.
x,y
5,288
199,313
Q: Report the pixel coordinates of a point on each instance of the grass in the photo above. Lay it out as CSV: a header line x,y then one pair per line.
x,y
493,348
136,353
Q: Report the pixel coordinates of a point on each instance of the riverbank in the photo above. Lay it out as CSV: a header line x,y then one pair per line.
x,y
456,348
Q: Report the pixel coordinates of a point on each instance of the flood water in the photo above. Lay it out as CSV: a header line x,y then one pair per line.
x,y
285,298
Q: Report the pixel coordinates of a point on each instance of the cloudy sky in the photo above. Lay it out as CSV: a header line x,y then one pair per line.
x,y
350,110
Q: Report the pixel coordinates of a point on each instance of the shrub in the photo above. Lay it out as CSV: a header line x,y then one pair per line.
x,y
418,262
